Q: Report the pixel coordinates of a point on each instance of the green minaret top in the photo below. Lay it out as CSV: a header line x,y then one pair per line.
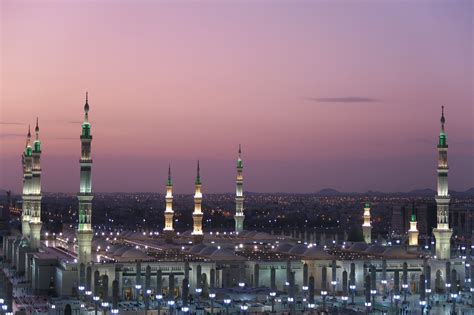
x,y
37,144
413,215
442,135
367,205
198,176
239,159
28,149
169,183
86,126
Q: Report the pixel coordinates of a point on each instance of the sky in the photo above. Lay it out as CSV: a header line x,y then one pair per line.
x,y
321,94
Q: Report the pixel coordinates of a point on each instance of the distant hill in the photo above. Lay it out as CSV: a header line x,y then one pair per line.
x,y
426,192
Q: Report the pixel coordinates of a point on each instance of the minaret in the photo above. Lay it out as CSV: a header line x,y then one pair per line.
x,y
27,162
169,230
366,226
197,214
239,196
84,231
442,232
413,231
35,214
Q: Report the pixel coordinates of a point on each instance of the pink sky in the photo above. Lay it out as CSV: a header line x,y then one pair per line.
x,y
174,81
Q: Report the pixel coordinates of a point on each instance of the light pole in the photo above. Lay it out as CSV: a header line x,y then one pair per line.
x,y
323,295
244,308
227,303
272,295
147,301
198,293
81,292
396,297
311,306
158,299
290,304
185,309
114,311
105,306
96,300
212,295
88,294
138,287
170,306
353,289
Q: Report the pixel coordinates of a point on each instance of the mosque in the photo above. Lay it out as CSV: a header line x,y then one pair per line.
x,y
124,265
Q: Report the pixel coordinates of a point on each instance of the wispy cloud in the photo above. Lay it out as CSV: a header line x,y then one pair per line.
x,y
343,99
11,135
67,138
11,123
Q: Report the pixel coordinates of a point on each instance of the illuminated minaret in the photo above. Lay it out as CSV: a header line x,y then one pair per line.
x,y
169,230
442,232
27,161
366,226
239,196
84,229
35,214
197,214
413,231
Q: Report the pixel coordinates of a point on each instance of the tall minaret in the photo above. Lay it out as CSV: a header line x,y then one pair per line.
x,y
27,161
413,231
169,230
35,214
366,226
197,214
442,232
239,196
84,231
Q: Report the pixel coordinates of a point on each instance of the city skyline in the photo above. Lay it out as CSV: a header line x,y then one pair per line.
x,y
307,119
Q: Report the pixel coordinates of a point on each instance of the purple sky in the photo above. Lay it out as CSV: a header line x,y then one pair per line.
x,y
341,94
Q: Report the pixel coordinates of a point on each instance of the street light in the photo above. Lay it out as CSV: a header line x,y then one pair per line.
x,y
185,309
212,295
170,305
244,308
352,287
273,294
241,284
105,306
114,311
96,300
227,303
159,297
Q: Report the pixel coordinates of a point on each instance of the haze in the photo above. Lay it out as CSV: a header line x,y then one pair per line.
x,y
339,94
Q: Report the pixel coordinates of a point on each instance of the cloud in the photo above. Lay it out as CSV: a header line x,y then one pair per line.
x,y
343,99
66,138
11,135
11,123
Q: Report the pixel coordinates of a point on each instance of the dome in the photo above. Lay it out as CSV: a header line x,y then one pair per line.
x,y
298,249
396,252
285,247
376,249
121,251
197,248
134,253
359,247
225,254
316,252
209,250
